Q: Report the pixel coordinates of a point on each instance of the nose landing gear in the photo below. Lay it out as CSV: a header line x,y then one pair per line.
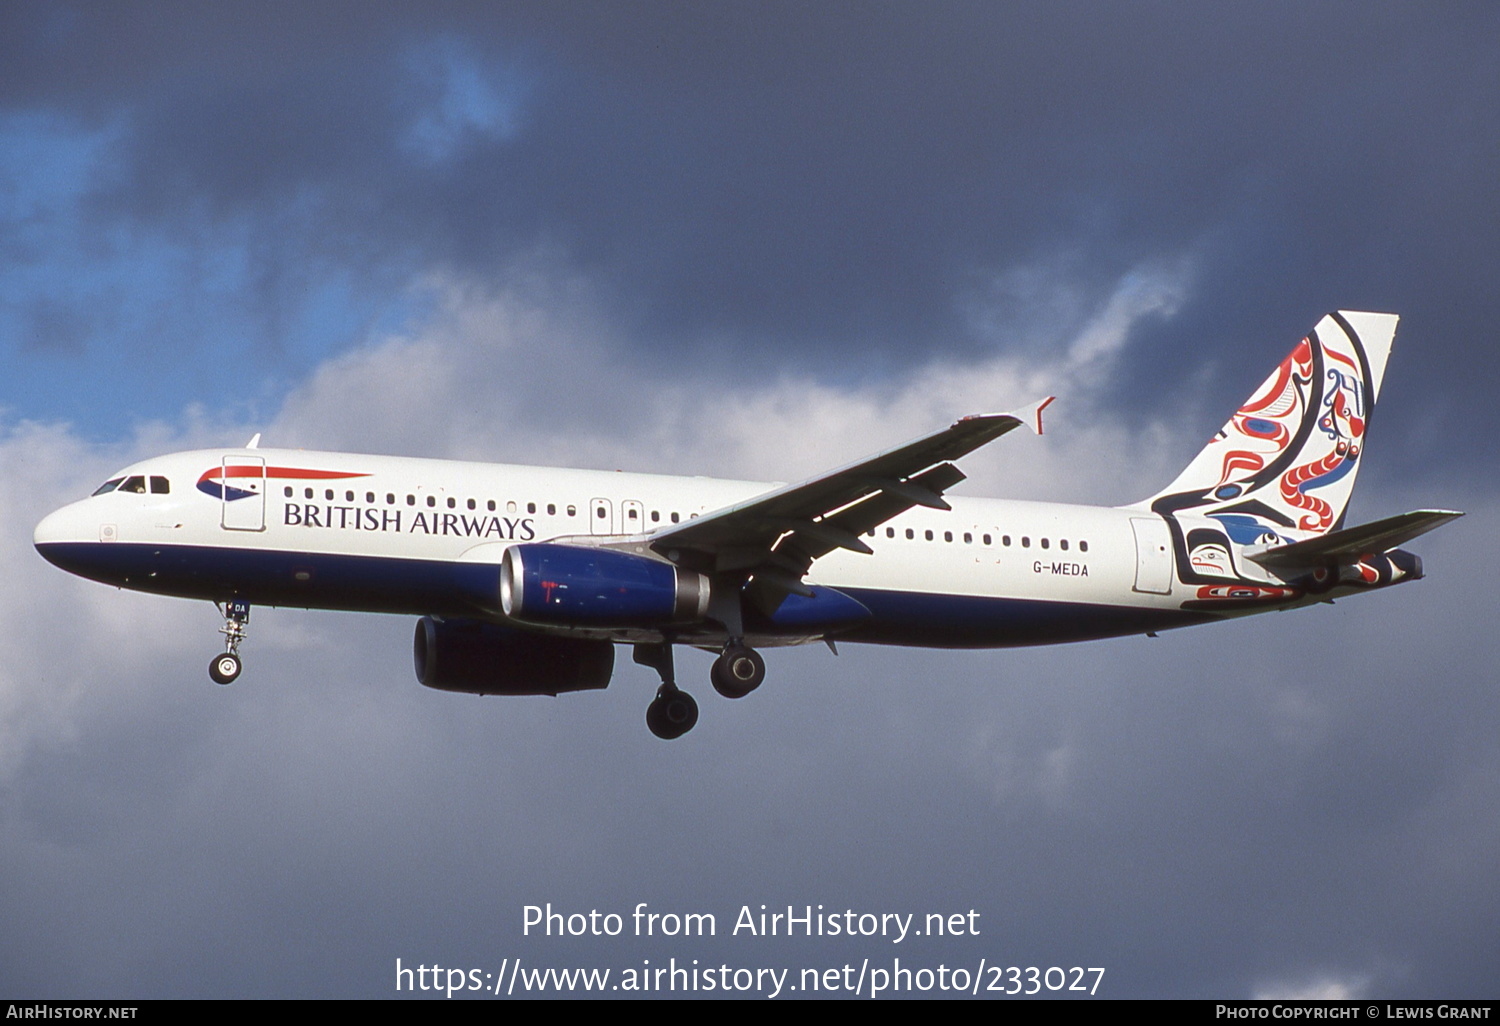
x,y
223,669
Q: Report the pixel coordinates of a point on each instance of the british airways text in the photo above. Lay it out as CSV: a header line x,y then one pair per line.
x,y
356,518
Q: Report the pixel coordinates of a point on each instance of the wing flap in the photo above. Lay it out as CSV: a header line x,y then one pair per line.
x,y
790,527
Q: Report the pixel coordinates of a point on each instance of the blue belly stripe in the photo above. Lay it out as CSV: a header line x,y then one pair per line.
x,y
422,587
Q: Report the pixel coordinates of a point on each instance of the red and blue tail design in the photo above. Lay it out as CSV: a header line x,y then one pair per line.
x,y
1284,465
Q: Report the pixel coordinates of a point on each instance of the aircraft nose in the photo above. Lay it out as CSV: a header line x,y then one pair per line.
x,y
58,529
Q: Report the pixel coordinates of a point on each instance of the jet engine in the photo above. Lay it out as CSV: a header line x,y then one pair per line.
x,y
574,586
489,659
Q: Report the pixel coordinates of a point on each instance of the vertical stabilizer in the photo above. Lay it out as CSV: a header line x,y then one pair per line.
x,y
1286,461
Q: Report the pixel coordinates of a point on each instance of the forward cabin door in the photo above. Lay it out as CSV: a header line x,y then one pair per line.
x,y
1153,555
244,486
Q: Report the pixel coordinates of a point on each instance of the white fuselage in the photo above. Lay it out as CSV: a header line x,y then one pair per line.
x,y
389,534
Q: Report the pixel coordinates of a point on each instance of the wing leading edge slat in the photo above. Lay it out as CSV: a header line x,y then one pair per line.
x,y
780,534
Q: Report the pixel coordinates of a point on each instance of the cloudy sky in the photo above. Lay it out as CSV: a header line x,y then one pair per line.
x,y
755,240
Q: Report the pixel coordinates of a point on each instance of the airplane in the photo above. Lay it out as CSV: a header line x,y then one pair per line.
x,y
526,578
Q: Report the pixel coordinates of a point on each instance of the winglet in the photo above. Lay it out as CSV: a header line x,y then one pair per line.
x,y
254,443
1031,415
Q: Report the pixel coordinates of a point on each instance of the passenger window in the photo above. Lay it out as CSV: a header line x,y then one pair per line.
x,y
531,507
411,500
370,498
947,536
452,502
390,498
1063,545
431,501
632,513
987,539
572,511
490,505
348,496
1025,542
328,494
655,516
108,486
307,493
159,486
1046,543
674,518
287,491
890,532
910,534
1005,540
1083,546
968,538
551,510
471,503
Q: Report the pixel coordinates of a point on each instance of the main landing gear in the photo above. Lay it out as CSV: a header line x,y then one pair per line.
x,y
738,671
223,669
673,712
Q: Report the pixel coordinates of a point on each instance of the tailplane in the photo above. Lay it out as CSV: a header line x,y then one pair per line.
x,y
1286,461
1353,542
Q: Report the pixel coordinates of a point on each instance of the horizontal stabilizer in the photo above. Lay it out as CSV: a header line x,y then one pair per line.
x,y
1354,542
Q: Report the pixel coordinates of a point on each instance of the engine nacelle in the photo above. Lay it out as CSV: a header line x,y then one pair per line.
x,y
487,659
575,586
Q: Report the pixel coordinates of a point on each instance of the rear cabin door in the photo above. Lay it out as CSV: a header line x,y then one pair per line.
x,y
1153,555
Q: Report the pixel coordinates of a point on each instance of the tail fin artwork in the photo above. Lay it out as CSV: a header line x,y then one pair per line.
x,y
1287,459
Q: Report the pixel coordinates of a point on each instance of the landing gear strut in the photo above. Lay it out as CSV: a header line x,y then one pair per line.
x,y
673,712
738,671
223,669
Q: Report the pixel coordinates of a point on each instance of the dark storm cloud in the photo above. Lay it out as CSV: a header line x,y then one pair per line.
x,y
841,175
1200,820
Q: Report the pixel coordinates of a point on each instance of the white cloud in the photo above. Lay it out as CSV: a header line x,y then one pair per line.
x,y
529,373
533,373
1330,987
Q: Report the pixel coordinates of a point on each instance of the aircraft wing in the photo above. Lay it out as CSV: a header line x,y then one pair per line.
x,y
777,536
1353,542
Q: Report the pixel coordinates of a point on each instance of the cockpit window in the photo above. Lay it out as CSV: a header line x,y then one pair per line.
x,y
109,485
135,484
160,486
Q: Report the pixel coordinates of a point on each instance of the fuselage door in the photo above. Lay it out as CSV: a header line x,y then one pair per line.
x,y
1153,555
244,486
601,516
632,517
